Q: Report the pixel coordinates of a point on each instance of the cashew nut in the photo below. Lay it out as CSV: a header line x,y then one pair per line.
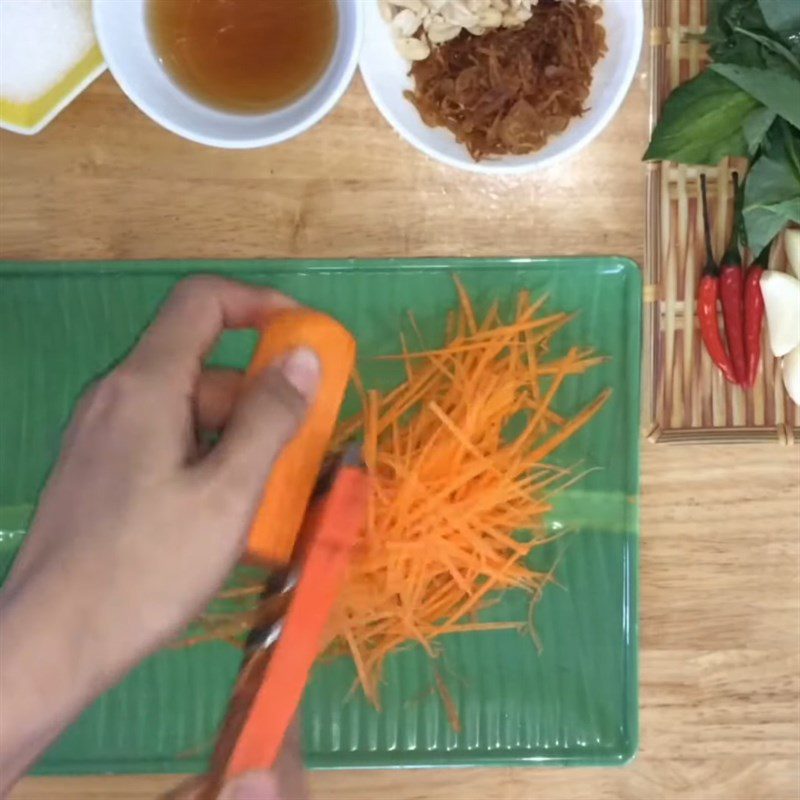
x,y
406,23
418,24
457,13
440,32
412,49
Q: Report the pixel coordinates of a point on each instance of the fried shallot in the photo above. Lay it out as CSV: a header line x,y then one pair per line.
x,y
509,90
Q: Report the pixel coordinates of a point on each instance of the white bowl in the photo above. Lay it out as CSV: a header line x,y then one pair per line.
x,y
121,30
386,74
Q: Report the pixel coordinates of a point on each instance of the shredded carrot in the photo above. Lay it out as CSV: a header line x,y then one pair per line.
x,y
452,489
456,453
449,704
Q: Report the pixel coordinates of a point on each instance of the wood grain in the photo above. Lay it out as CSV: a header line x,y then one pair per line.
x,y
720,626
104,182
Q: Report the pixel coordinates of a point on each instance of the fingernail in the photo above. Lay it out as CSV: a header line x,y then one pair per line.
x,y
252,786
302,369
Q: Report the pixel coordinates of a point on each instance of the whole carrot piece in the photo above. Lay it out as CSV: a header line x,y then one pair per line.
x,y
280,514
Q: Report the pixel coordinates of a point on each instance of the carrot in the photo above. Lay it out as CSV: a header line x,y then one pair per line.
x,y
451,488
460,487
276,700
449,704
286,494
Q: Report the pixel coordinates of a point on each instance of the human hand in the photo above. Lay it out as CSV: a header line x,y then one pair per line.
x,y
139,524
285,781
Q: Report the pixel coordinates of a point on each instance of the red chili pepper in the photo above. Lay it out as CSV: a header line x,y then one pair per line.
x,y
707,297
754,314
731,291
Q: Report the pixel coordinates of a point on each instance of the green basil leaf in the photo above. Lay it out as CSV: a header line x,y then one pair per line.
x,y
772,46
772,190
726,15
714,31
727,44
791,145
777,171
755,127
775,90
701,122
764,222
782,16
739,49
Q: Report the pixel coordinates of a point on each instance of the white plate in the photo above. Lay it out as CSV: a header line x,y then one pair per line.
x,y
386,75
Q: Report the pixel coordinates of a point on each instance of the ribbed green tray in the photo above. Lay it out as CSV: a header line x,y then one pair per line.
x,y
63,324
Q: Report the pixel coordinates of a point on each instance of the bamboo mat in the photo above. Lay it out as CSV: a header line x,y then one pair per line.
x,y
686,399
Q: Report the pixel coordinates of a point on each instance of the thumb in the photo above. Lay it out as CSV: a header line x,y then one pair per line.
x,y
268,414
253,786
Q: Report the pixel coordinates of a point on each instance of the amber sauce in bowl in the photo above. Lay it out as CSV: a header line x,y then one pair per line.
x,y
232,73
245,56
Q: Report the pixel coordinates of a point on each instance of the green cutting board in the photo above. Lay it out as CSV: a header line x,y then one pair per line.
x,y
575,702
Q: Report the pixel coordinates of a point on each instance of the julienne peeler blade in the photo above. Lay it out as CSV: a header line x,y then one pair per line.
x,y
288,633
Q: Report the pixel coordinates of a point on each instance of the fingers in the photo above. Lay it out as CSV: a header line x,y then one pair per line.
x,y
193,317
288,768
286,781
266,416
250,786
189,789
215,397
255,786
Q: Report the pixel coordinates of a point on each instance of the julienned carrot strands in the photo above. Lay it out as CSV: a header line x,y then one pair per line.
x,y
451,489
460,485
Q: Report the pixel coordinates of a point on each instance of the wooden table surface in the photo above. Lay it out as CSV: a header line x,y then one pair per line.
x,y
720,588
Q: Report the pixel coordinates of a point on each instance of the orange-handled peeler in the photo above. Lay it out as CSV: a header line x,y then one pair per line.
x,y
283,646
309,518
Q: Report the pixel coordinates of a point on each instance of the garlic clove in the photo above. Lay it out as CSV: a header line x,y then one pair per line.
x,y
781,293
791,241
790,366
